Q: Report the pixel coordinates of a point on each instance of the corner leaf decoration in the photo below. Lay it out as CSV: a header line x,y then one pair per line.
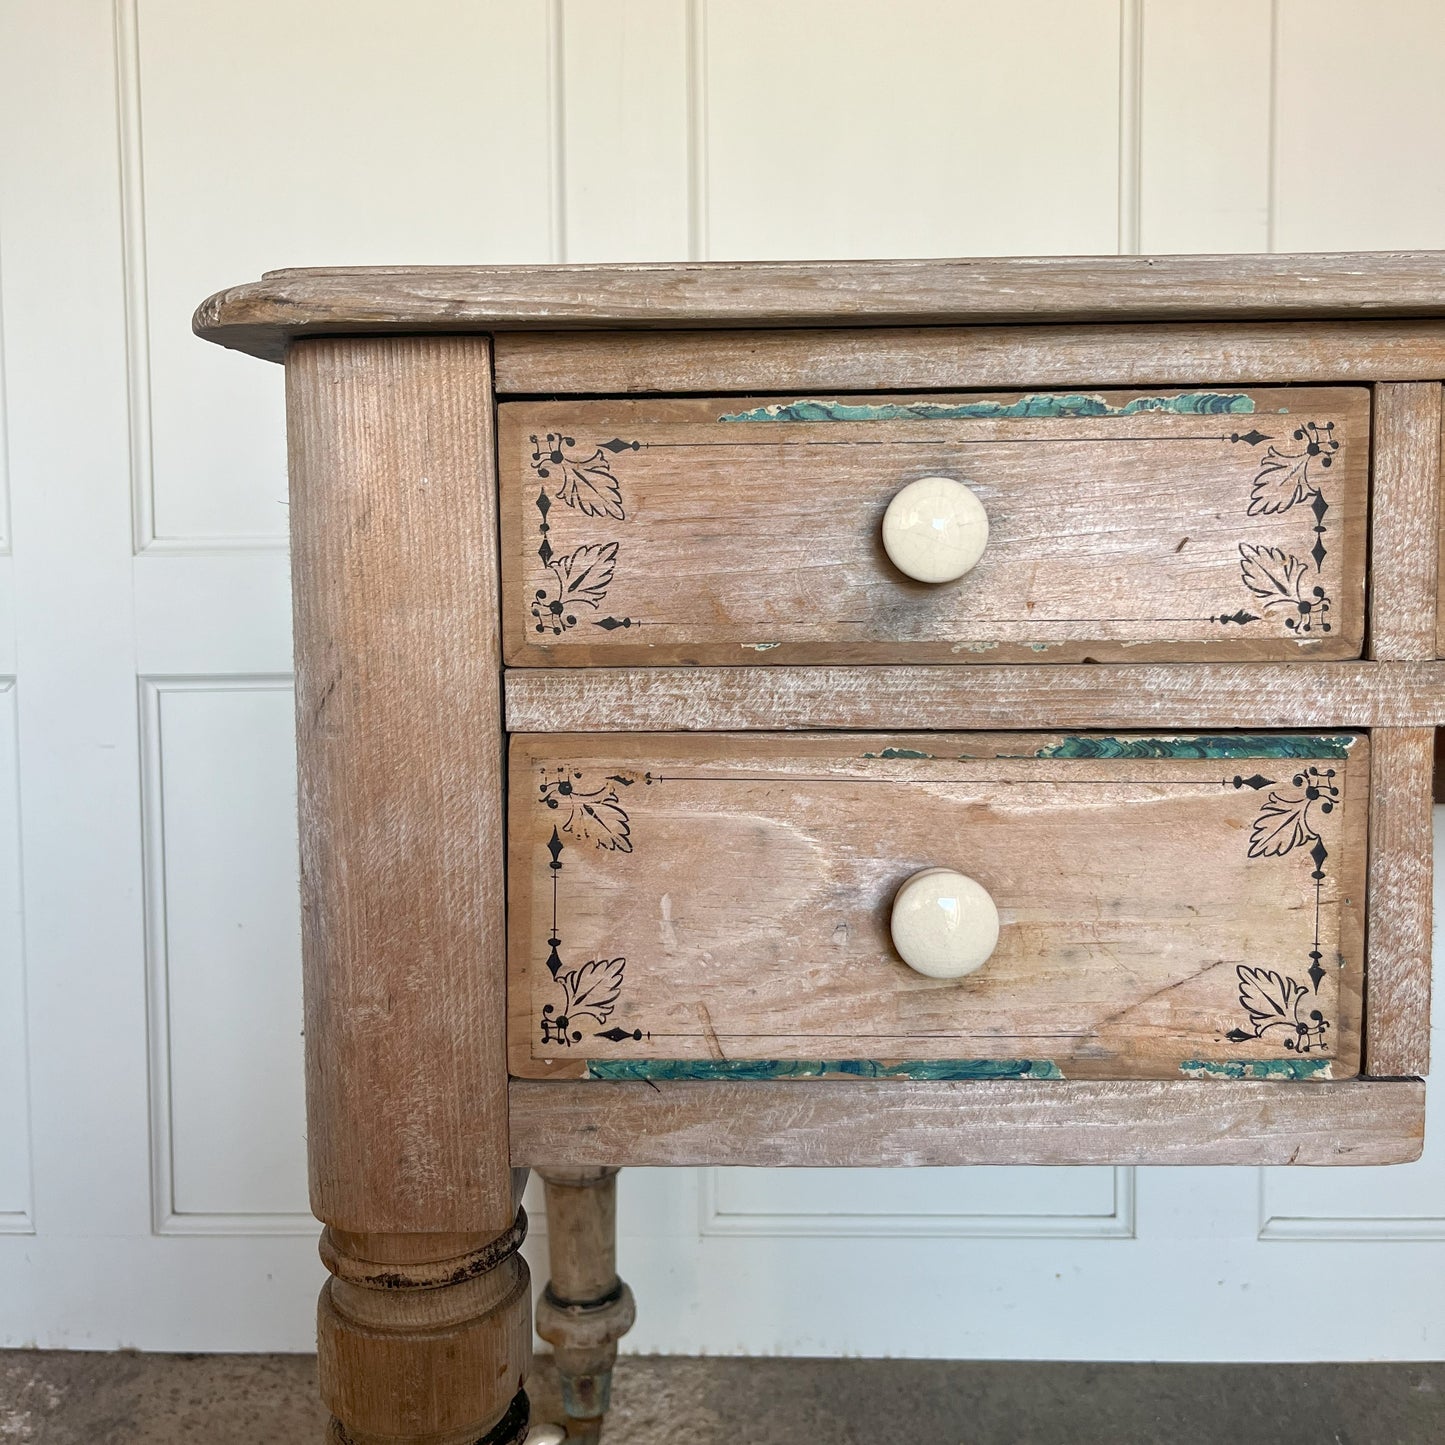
x,y
1288,475
579,579
589,992
582,480
1280,579
593,814
1273,1001
592,990
1284,477
1288,819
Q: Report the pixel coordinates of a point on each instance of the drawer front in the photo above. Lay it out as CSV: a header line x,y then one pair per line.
x,y
1119,526
722,906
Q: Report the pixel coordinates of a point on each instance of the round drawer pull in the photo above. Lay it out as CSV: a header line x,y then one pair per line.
x,y
944,924
935,530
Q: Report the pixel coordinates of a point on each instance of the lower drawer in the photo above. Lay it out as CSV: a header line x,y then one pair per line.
x,y
688,906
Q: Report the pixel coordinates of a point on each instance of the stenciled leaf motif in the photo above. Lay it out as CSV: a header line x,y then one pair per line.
x,y
1274,1001
1273,574
586,574
1282,580
591,991
590,487
1285,819
1284,476
580,579
1268,997
1283,824
1282,481
601,821
594,815
584,482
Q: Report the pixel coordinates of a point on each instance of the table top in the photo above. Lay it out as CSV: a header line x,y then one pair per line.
x,y
263,316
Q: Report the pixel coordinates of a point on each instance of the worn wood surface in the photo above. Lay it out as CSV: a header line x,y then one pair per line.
x,y
263,316
426,1337
726,899
559,363
1235,695
399,754
672,531
585,1308
1397,985
885,1123
1405,518
1440,550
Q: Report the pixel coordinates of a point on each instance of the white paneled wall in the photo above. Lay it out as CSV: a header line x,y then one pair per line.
x,y
152,1187
15,1216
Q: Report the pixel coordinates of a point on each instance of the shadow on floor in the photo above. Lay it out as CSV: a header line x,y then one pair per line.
x,y
56,1398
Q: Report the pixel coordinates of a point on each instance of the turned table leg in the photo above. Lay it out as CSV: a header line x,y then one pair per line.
x,y
424,1337
425,1325
586,1308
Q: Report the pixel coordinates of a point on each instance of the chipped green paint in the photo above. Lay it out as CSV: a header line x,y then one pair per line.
x,y
1036,404
658,1070
1222,746
899,753
1256,1069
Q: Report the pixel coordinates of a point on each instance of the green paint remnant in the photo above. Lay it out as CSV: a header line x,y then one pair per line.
x,y
899,753
1224,746
658,1070
761,646
1038,647
1036,404
1256,1069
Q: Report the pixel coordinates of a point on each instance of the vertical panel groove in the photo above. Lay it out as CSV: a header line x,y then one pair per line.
x,y
1131,133
699,242
557,130
20,1221
134,273
1272,140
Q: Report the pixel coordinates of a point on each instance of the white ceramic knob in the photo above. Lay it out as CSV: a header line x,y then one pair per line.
x,y
935,530
944,924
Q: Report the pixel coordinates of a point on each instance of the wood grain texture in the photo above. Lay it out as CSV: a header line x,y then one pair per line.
x,y
727,898
561,363
262,317
1122,527
432,1347
871,1124
1257,695
399,755
1397,982
1440,550
1405,514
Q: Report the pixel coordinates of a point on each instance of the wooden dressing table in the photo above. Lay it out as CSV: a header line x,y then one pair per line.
x,y
925,712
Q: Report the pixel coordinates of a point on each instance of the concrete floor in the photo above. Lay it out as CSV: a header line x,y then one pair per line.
x,y
131,1399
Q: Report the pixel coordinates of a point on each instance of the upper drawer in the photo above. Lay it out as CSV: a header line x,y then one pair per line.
x,y
1120,525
